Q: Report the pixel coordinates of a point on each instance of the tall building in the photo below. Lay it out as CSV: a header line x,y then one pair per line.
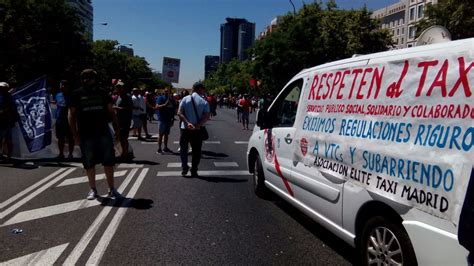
x,y
400,18
271,28
211,62
237,35
126,50
85,12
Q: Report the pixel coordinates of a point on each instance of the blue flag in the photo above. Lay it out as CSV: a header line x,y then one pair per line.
x,y
35,115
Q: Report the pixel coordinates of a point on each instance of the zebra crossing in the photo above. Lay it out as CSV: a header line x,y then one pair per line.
x,y
64,177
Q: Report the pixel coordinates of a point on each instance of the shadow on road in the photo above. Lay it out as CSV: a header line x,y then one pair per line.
x,y
331,240
30,164
211,154
139,204
218,179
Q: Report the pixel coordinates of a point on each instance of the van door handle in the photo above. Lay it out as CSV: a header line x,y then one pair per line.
x,y
288,140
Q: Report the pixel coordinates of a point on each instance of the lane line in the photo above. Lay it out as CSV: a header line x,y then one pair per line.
x,y
87,237
130,165
212,142
226,164
206,173
43,257
176,165
27,190
241,142
109,233
35,193
205,142
51,211
84,179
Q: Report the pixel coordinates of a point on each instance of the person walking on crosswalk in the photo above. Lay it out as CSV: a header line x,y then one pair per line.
x,y
194,112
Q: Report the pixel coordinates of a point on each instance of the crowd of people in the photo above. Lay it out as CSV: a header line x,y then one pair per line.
x,y
84,116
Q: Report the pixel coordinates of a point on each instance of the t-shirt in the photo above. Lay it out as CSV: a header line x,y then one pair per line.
x,y
124,116
166,113
91,111
139,105
245,103
62,108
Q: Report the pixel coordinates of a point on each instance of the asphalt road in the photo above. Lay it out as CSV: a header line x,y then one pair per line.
x,y
165,218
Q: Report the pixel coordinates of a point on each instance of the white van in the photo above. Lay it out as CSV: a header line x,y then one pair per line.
x,y
378,149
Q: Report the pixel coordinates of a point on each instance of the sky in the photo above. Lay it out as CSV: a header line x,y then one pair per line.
x,y
188,29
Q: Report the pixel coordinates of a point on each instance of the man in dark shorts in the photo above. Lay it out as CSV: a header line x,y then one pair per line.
x,y
63,131
123,107
91,108
166,107
8,117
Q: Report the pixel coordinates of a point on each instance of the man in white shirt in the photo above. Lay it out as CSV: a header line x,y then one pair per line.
x,y
194,111
139,108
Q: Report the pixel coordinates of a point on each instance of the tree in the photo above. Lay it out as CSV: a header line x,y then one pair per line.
x,y
113,64
40,38
315,36
456,15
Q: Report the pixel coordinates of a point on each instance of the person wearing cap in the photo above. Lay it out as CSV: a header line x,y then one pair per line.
x,y
8,117
123,107
194,112
166,107
89,115
63,130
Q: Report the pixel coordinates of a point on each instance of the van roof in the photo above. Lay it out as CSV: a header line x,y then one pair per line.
x,y
399,54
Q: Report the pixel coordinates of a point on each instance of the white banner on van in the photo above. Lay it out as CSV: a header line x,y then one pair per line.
x,y
402,129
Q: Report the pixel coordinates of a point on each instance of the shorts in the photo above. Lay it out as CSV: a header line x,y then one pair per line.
x,y
6,133
165,127
245,116
97,149
63,131
137,121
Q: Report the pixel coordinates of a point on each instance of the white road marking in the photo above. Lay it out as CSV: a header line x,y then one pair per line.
x,y
130,165
51,210
149,142
35,193
241,142
206,173
76,164
226,164
107,236
205,142
87,237
84,179
176,165
212,142
26,191
43,257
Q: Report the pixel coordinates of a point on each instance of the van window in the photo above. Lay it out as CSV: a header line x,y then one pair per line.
x,y
286,105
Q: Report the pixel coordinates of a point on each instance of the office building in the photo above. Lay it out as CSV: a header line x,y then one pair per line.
x,y
126,50
400,19
211,62
85,13
237,35
271,28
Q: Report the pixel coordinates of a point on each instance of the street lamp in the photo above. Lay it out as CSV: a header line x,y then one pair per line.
x,y
294,9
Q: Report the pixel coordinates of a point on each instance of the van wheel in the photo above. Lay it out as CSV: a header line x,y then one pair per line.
x,y
385,243
259,178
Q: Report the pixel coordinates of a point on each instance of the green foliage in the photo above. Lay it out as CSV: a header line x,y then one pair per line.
x,y
456,15
40,38
314,36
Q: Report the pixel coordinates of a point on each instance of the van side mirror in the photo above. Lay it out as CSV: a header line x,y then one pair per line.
x,y
262,119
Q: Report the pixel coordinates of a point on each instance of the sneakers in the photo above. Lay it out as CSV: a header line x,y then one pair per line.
x,y
185,171
194,173
113,193
167,150
159,151
92,194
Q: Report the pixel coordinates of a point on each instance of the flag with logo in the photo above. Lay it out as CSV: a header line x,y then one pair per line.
x,y
34,114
